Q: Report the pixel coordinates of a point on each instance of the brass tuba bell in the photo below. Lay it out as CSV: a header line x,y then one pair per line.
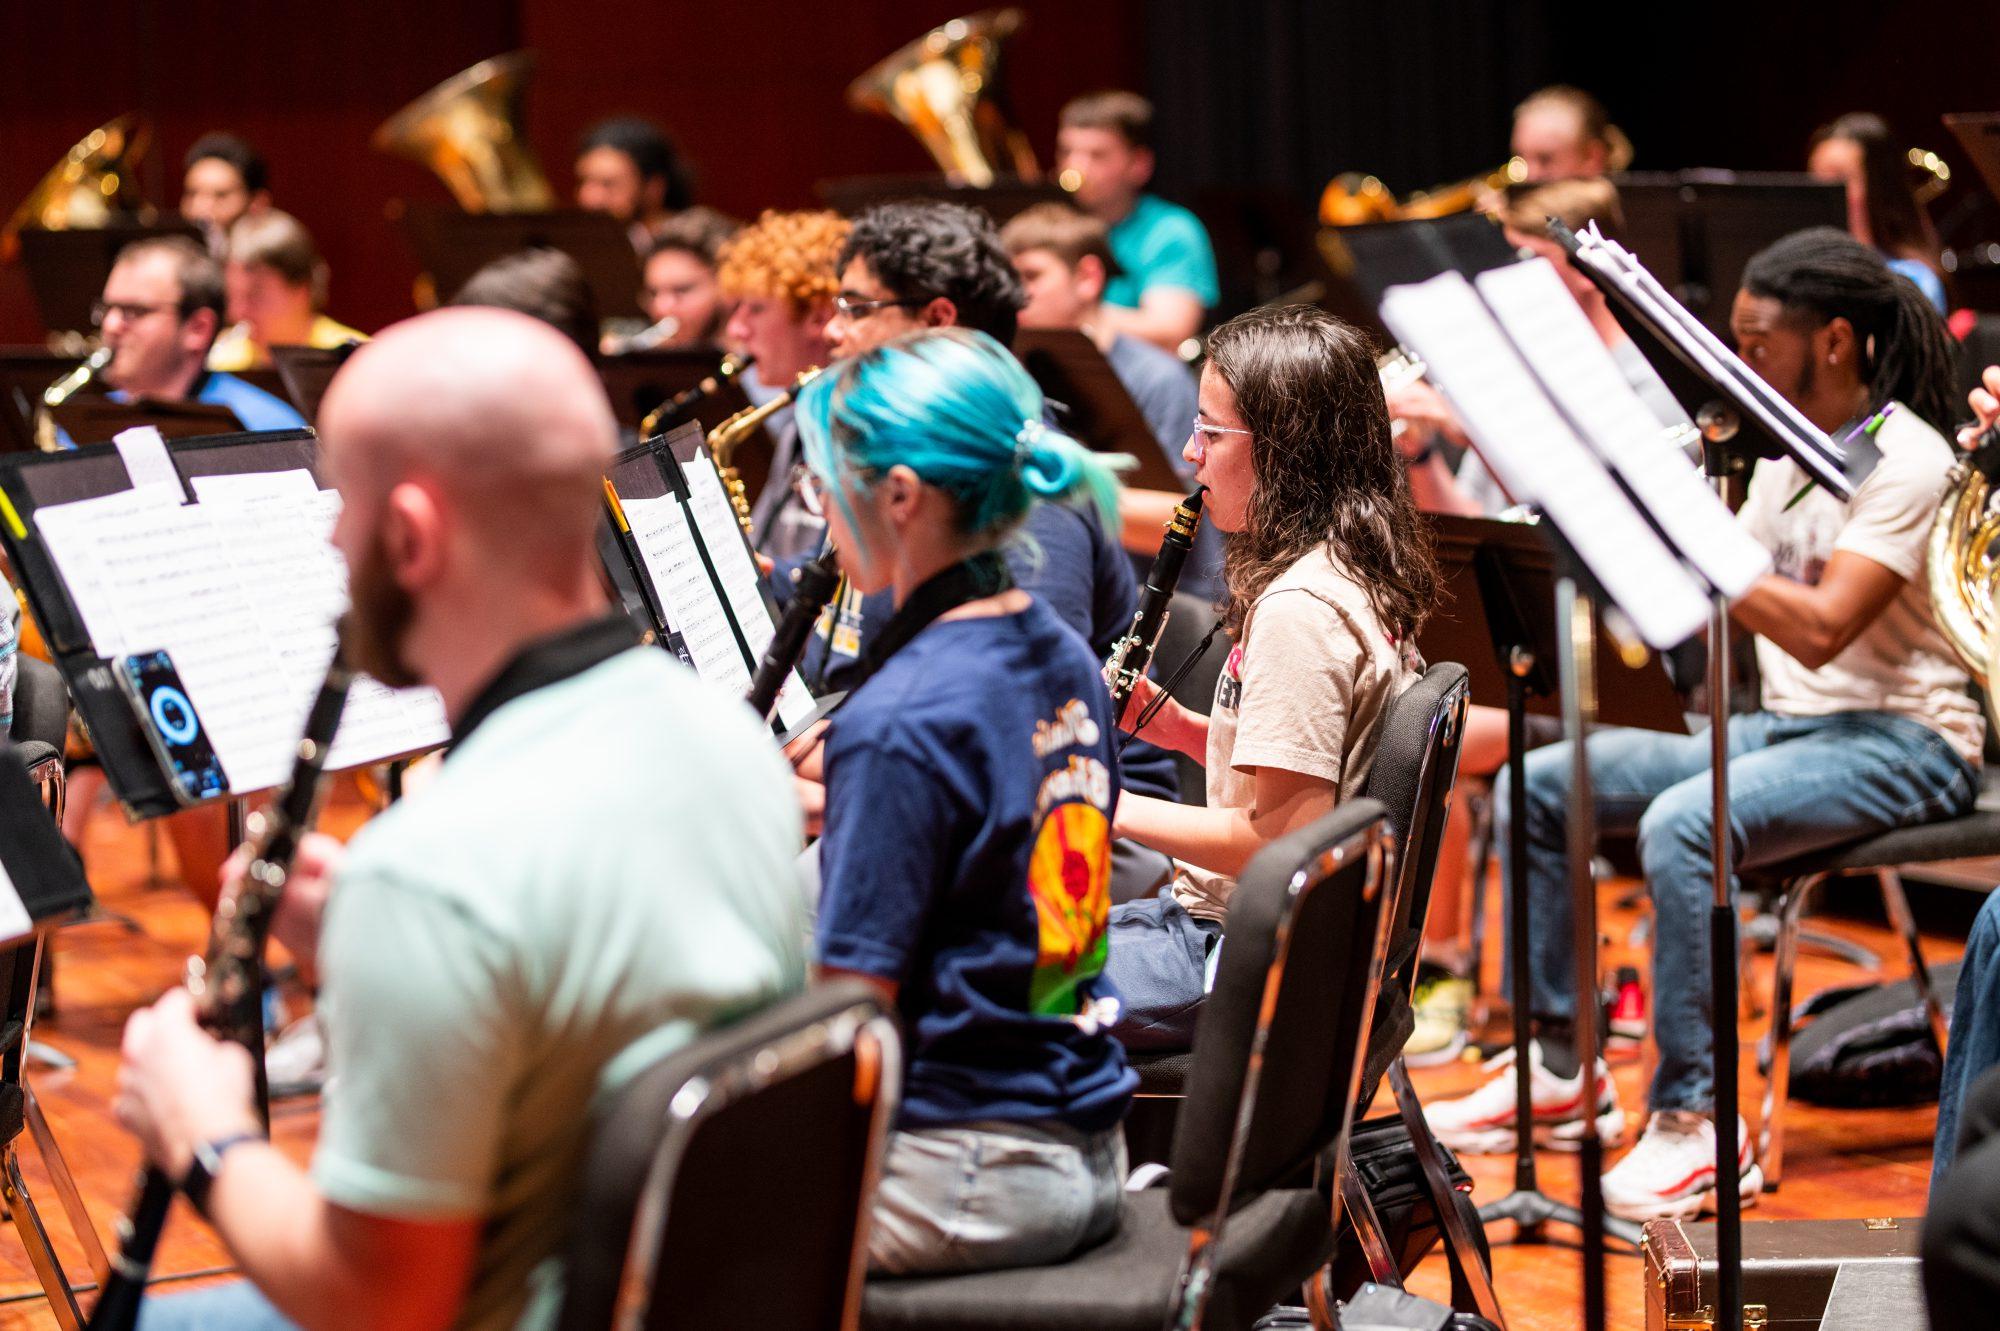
x,y
95,182
468,131
945,88
1962,570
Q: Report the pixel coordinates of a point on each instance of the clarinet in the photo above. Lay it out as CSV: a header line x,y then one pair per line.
x,y
812,587
228,985
1131,654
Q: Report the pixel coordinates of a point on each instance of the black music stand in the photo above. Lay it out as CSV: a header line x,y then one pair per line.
x,y
1099,412
66,269
639,381
1696,230
306,372
96,420
25,373
1502,622
452,246
1001,201
1370,258
42,885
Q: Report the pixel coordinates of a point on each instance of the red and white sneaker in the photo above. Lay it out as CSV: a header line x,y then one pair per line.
x,y
1482,1121
1669,1174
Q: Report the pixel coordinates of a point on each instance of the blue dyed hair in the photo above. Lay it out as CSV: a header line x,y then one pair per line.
x,y
956,408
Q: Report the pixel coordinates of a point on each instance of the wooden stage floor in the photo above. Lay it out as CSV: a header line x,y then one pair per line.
x,y
1840,1163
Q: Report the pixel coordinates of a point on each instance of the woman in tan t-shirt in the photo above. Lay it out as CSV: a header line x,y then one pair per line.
x,y
1328,573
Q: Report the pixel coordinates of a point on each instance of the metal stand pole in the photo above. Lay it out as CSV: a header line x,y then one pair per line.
x,y
1574,616
1722,956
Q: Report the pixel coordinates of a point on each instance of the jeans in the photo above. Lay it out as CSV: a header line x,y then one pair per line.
x,y
1974,1045
988,1195
1157,963
1796,784
236,1306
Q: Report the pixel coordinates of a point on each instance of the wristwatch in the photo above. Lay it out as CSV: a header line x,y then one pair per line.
x,y
208,1163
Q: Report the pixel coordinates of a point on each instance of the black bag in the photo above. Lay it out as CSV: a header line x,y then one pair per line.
x,y
1872,1048
1382,1158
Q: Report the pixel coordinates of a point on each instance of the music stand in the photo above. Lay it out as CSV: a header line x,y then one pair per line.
x,y
1978,132
25,373
1073,373
96,420
851,195
1697,230
1370,258
639,381
41,885
307,371
66,269
451,246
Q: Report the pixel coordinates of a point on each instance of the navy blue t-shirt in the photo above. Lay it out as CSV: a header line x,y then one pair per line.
x,y
967,857
1069,564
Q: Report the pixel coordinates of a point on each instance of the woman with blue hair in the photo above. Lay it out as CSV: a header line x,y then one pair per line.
x,y
970,781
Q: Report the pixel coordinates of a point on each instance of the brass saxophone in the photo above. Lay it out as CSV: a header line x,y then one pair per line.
x,y
724,439
61,391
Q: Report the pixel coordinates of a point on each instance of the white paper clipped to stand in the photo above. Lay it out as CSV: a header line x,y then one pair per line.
x,y
1807,443
1527,445
1553,334
242,590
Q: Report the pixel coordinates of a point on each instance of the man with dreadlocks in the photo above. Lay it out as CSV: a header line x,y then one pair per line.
x,y
1865,725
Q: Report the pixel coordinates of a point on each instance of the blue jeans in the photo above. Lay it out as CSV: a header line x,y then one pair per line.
x,y
236,1306
989,1195
1974,1043
1796,784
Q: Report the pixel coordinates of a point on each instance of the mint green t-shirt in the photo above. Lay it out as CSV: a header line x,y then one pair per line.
x,y
603,870
1161,244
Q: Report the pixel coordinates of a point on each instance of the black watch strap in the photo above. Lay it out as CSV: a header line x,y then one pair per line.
x,y
208,1163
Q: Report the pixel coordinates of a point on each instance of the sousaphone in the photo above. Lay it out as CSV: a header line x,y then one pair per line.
x,y
944,87
468,130
95,182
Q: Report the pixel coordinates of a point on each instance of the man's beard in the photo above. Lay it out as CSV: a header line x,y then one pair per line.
x,y
377,620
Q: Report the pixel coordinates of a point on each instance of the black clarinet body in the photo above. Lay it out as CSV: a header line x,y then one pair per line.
x,y
228,983
815,583
1133,653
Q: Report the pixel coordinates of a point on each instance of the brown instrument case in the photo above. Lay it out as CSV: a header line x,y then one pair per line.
x,y
1789,1268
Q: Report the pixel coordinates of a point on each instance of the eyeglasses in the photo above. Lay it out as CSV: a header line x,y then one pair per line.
x,y
848,308
1205,435
130,311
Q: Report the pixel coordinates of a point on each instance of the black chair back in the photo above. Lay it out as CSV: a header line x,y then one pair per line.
x,y
1415,768
41,704
1190,619
728,1184
1277,1050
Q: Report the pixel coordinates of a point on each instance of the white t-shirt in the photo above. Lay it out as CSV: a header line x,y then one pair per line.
x,y
1901,662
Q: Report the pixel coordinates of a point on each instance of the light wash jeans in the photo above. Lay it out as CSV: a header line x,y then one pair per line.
x,y
1796,784
236,1306
988,1195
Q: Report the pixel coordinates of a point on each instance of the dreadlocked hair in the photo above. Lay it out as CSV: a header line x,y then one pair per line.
x,y
1906,351
1327,473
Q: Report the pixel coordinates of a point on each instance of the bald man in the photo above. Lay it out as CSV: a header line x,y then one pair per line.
x,y
502,947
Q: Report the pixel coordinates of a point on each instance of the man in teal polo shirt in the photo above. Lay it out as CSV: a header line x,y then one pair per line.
x,y
510,942
1104,151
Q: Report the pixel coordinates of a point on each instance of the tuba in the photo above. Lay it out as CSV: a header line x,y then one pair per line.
x,y
1963,566
468,131
944,87
95,181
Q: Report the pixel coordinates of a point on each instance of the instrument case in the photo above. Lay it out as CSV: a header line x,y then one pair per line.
x,y
1788,1268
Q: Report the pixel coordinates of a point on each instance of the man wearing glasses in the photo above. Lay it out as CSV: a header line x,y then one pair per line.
x,y
161,309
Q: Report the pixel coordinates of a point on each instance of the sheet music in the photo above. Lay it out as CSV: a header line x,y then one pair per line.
x,y
715,519
1809,445
243,591
661,530
1538,458
1553,334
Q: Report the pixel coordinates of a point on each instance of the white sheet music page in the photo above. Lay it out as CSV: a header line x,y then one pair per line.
x,y
1526,444
666,545
715,518
1555,337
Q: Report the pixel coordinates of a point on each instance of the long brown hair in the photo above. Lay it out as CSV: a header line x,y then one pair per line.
x,y
1327,471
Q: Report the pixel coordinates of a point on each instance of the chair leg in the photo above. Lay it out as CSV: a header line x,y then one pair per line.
x,y
1771,1132
35,1238
1360,1207
1898,906
1482,857
65,1185
1461,1247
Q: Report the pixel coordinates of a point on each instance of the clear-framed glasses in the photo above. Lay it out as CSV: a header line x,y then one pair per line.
x,y
1205,435
129,311
849,308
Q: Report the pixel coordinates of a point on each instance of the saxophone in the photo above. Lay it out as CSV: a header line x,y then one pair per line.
x,y
724,439
677,406
61,391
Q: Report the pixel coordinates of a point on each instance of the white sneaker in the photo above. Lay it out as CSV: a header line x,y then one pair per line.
x,y
1670,1173
295,1062
1482,1122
